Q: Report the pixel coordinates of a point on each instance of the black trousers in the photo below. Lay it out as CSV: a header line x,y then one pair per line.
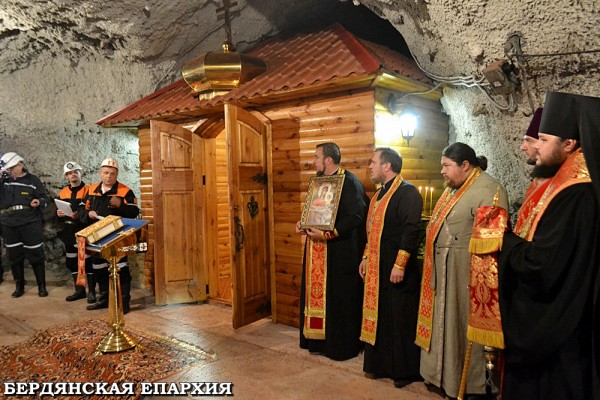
x,y
67,236
1,267
101,274
24,242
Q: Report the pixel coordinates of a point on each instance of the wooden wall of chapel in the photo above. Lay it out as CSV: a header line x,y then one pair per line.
x,y
297,127
146,203
348,121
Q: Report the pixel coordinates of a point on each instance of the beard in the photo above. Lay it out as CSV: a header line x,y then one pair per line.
x,y
548,168
320,173
545,171
452,184
377,180
531,161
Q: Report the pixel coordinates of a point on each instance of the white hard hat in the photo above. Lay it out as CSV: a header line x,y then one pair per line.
x,y
9,160
110,162
71,166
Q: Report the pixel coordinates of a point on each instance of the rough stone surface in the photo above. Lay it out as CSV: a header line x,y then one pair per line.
x,y
460,38
66,63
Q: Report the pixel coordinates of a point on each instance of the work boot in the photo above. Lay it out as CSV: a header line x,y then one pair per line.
x,y
39,269
101,303
102,299
125,296
91,281
79,291
19,273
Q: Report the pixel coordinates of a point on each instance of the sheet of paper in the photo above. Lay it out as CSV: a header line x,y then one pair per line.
x,y
64,206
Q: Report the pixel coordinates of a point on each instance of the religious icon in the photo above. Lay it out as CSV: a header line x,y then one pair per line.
x,y
322,201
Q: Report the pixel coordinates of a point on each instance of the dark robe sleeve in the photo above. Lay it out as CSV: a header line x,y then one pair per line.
x,y
545,284
352,205
408,215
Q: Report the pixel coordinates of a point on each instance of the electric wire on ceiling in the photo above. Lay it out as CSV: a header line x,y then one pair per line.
x,y
469,82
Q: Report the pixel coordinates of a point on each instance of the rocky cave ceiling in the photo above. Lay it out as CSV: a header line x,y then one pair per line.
x,y
449,37
159,31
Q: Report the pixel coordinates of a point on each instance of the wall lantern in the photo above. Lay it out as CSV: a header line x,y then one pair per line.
x,y
408,123
406,115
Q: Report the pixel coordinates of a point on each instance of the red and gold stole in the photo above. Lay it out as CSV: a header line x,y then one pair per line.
x,y
315,301
485,325
572,172
375,219
81,277
442,208
484,319
532,198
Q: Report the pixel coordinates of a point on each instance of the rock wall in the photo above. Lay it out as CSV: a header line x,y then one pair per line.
x,y
48,118
67,63
461,37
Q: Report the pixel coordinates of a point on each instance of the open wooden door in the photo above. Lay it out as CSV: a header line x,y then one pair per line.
x,y
249,215
176,193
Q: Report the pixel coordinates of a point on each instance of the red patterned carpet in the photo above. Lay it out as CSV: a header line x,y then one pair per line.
x,y
66,354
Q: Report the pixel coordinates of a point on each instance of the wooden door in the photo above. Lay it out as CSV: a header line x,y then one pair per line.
x,y
249,215
177,197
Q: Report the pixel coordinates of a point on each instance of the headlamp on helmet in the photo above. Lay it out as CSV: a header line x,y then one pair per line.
x,y
71,166
9,160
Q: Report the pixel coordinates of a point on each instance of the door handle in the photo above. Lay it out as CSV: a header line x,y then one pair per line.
x,y
239,234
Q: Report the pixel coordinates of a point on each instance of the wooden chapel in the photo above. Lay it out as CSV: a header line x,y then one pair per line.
x,y
223,179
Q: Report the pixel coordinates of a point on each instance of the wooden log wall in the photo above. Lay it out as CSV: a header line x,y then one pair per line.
x,y
349,121
146,204
297,129
421,156
223,241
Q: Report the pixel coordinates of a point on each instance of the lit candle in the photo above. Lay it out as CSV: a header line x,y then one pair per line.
x,y
425,204
420,188
431,201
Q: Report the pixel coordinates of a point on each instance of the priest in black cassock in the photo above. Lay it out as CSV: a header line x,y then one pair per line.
x,y
547,272
331,291
391,275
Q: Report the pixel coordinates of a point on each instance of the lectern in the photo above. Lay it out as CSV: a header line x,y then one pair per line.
x,y
112,238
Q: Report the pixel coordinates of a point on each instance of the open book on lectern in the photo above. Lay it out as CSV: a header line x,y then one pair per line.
x,y
110,230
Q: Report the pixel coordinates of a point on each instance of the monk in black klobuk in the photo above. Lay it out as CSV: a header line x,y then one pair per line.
x,y
547,272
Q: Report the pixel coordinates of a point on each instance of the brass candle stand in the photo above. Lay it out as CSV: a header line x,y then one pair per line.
x,y
112,247
117,339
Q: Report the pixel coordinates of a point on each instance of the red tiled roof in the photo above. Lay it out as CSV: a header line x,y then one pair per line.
x,y
299,61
